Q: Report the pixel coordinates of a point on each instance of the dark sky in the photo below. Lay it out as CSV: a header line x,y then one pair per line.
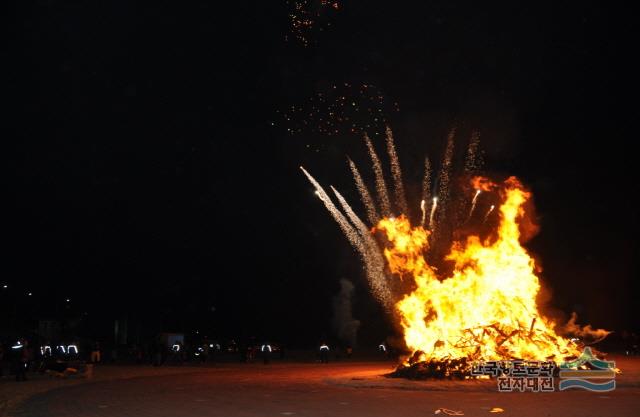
x,y
145,177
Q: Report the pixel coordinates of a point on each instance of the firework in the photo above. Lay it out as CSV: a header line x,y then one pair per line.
x,y
396,173
341,109
473,159
307,15
381,185
426,180
445,177
374,262
353,236
365,196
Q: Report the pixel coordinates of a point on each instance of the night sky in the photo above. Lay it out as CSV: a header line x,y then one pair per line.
x,y
151,175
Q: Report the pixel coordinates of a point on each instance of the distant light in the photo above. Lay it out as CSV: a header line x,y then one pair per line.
x,y
435,199
30,294
68,300
5,286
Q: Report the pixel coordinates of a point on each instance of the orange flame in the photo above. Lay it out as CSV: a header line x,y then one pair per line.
x,y
482,183
486,308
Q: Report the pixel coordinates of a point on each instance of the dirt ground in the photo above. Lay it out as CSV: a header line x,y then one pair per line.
x,y
307,389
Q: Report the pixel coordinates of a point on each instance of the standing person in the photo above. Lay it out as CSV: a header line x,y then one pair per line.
x,y
21,359
382,348
266,352
324,353
95,352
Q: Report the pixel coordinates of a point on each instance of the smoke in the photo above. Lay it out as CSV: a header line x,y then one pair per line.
x,y
588,334
345,326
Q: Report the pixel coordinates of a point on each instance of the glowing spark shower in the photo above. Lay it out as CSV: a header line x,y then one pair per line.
x,y
365,196
423,209
369,253
308,16
381,185
426,180
396,172
445,174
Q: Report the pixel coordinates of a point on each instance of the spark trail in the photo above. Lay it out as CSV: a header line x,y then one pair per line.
x,y
396,173
374,262
434,207
426,187
445,176
374,267
486,216
352,235
473,160
473,204
365,196
381,186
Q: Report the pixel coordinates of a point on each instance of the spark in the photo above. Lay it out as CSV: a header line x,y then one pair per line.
x,y
473,203
360,239
473,161
424,211
365,196
445,175
426,182
486,216
396,173
373,260
344,224
331,112
433,212
381,186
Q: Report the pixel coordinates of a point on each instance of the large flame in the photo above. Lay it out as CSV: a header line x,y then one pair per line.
x,y
486,308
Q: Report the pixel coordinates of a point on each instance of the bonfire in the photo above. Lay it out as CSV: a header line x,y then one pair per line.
x,y
477,302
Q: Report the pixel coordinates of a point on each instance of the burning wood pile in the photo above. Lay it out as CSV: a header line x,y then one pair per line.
x,y
485,310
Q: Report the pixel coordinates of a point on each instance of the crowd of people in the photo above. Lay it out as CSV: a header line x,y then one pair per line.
x,y
22,357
